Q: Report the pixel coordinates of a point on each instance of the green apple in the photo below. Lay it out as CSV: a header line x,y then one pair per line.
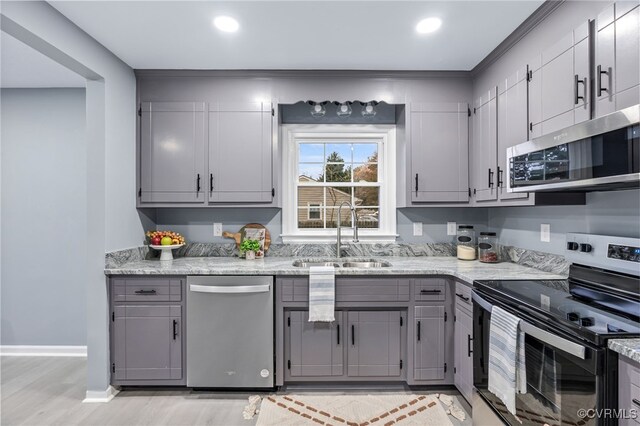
x,y
166,241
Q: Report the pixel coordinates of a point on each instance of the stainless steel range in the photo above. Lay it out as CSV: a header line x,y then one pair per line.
x,y
567,324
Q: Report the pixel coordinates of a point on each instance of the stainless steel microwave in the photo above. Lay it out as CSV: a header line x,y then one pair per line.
x,y
600,154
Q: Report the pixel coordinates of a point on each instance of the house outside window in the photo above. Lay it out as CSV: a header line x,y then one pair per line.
x,y
327,165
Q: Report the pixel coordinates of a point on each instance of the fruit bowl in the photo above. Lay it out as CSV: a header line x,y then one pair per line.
x,y
166,251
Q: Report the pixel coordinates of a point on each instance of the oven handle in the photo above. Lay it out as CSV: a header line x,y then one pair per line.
x,y
542,335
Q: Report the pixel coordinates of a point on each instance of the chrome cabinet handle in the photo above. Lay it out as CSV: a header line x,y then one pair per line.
x,y
599,80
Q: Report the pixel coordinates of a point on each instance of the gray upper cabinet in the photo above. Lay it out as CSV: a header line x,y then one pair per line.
x,y
463,356
485,140
617,59
438,153
240,153
374,343
315,349
172,143
147,342
512,127
559,84
429,343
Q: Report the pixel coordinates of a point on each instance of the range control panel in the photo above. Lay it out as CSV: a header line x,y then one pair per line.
x,y
603,251
628,253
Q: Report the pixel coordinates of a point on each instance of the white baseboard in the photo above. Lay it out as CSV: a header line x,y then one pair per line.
x,y
31,350
100,396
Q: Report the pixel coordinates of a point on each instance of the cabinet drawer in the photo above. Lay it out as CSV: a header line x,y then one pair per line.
x,y
147,290
430,289
372,290
463,297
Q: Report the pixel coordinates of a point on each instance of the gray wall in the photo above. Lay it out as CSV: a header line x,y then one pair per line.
x,y
112,220
608,213
43,217
196,225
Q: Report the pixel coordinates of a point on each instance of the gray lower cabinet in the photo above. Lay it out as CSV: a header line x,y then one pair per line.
x,y
172,147
438,153
147,331
628,390
374,343
429,344
463,355
315,348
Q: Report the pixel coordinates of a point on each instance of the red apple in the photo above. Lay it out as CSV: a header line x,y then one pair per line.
x,y
156,241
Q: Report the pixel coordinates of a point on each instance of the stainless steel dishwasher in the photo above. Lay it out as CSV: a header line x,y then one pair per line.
x,y
230,332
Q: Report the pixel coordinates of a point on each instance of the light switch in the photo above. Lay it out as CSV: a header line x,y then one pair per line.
x,y
417,229
545,232
217,230
451,228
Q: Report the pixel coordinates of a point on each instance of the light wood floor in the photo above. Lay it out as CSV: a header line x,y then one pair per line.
x,y
49,391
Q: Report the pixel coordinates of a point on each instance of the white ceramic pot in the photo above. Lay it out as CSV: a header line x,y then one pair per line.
x,y
250,255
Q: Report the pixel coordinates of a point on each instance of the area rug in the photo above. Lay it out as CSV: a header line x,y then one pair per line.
x,y
352,410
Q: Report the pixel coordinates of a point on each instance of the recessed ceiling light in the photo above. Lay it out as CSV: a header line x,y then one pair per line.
x,y
428,25
226,24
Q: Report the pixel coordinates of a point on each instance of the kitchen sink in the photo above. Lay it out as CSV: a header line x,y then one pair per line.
x,y
364,264
308,263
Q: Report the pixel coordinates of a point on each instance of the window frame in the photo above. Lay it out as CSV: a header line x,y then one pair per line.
x,y
384,135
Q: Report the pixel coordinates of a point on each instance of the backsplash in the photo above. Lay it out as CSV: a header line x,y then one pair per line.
x,y
543,261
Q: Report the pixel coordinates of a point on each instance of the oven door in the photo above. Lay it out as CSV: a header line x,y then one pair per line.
x,y
563,375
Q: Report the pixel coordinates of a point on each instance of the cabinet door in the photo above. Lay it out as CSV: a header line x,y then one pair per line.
x,y
535,97
315,348
582,77
557,85
374,343
240,169
172,136
512,128
605,62
429,343
147,342
485,140
627,69
439,153
463,360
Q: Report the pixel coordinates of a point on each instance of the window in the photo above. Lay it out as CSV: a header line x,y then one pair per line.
x,y
328,165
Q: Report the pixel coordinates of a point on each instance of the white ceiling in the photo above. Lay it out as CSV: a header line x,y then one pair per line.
x,y
377,35
24,67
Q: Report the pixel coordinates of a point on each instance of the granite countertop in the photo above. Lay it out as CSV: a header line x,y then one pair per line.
x,y
627,347
427,265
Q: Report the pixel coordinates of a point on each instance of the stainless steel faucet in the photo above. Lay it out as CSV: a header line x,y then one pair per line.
x,y
354,223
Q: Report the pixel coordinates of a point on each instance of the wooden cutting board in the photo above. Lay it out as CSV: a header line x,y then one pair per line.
x,y
239,236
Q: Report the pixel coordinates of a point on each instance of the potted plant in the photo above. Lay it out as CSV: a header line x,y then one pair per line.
x,y
249,248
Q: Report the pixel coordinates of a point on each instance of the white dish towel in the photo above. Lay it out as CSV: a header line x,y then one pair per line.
x,y
322,293
507,368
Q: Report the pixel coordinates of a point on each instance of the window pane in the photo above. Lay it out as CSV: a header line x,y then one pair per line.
x,y
310,173
338,152
367,196
368,218
307,218
311,153
365,152
332,217
310,196
336,195
365,172
340,172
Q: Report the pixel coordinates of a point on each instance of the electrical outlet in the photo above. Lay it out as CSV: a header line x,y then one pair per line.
x,y
451,228
545,232
417,229
217,230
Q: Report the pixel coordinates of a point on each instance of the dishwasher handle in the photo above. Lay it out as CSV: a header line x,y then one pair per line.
x,y
263,288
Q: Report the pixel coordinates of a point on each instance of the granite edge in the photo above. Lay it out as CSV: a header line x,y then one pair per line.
x,y
629,348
